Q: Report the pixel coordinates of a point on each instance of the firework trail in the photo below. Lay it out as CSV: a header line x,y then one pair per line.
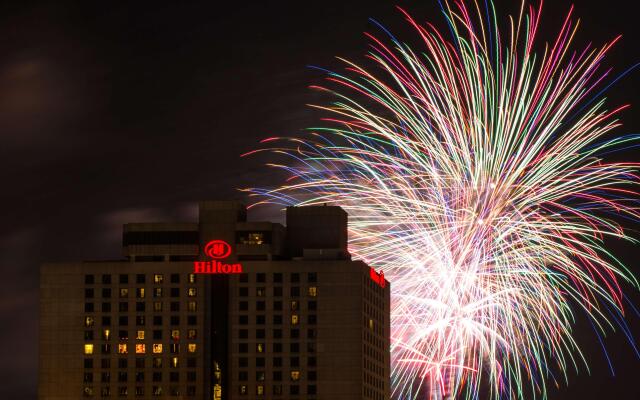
x,y
471,170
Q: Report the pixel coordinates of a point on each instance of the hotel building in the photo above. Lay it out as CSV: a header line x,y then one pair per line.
x,y
284,313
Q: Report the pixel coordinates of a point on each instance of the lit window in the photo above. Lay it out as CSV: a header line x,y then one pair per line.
x,y
124,292
157,306
295,375
140,293
140,348
140,335
191,306
191,334
313,291
157,292
260,390
294,319
157,391
370,324
174,362
260,347
88,348
191,292
175,334
157,348
88,322
191,347
157,361
122,348
88,391
158,278
243,389
106,334
192,278
294,305
260,292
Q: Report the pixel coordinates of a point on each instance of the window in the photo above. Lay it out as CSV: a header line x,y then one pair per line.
x,y
106,307
88,279
123,391
140,348
277,319
277,361
139,376
173,362
88,335
157,361
88,391
243,376
311,347
88,362
122,348
124,278
243,278
261,277
277,291
261,292
139,362
277,277
277,333
157,306
158,278
106,321
260,305
140,278
260,319
174,377
122,363
243,362
294,319
88,348
174,306
140,293
124,292
123,335
243,348
156,377
260,333
312,305
277,305
88,307
191,347
192,334
294,389
294,333
191,362
139,391
88,322
191,390
88,293
175,278
311,361
294,361
295,291
313,291
105,348
157,334
157,319
312,319
294,305
105,376
243,319
312,277
157,390
191,292
174,320
242,390
243,291
277,389
106,334
140,306
260,390
192,278
294,347
277,376
174,348
311,389
106,279
243,334
260,362
311,333
174,292
244,306
106,293
157,348
123,320
175,334
260,347
192,306
123,306
157,292
295,277
295,375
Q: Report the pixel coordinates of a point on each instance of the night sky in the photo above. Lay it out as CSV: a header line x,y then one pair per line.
x,y
114,112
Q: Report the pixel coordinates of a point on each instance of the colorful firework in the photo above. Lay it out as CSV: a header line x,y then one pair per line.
x,y
473,176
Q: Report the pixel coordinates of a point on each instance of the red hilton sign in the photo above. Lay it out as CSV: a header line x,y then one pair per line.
x,y
377,277
216,249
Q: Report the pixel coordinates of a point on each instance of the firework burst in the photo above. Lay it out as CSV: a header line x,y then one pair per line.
x,y
471,170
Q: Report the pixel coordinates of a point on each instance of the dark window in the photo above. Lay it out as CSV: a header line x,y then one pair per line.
x,y
106,307
243,319
261,277
157,377
277,361
277,376
312,376
260,333
139,362
89,279
123,306
106,321
295,333
124,278
311,333
106,279
277,277
260,305
157,334
88,307
277,333
311,389
192,320
175,320
277,347
295,291
191,376
294,361
140,306
157,319
140,278
311,361
295,277
312,277
123,335
175,278
277,305
260,319
191,390
175,292
277,291
243,334
243,362
191,362
174,377
160,237
277,319
294,347
140,320
259,362
88,362
175,306
88,293
105,363
311,347
244,305
106,293
244,278
294,389
243,376
243,348
88,377
122,363
312,306
122,376
123,320
105,348
312,319
244,291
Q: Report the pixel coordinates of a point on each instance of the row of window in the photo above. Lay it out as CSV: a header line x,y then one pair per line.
x,y
141,334
294,291
140,348
277,277
277,362
88,391
140,292
140,320
277,333
123,376
294,305
277,347
312,319
157,362
123,279
276,390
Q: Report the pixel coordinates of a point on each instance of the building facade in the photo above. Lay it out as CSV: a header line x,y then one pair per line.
x,y
223,308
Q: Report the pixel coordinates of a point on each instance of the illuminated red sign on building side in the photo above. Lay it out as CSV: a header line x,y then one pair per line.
x,y
377,277
216,249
